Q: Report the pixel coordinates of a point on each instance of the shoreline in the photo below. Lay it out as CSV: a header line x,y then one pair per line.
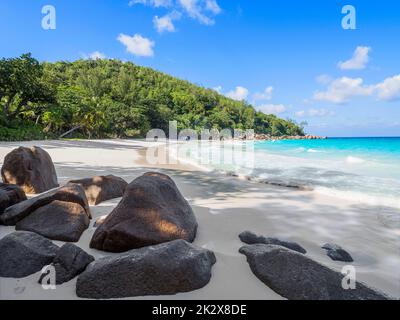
x,y
224,207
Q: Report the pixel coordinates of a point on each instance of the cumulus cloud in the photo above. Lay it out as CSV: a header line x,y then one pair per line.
x,y
137,45
389,89
165,23
341,90
265,95
272,108
358,61
240,93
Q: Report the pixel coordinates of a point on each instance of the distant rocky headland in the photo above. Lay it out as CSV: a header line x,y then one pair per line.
x,y
260,136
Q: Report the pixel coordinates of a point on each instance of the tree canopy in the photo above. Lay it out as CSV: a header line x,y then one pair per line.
x,y
110,98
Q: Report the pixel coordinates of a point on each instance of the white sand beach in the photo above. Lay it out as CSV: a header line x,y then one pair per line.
x,y
224,207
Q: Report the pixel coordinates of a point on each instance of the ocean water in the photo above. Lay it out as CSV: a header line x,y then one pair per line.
x,y
366,170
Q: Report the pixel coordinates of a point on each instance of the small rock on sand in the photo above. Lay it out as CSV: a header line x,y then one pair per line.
x,y
102,188
251,238
337,253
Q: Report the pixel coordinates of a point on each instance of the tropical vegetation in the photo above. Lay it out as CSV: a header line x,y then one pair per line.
x,y
110,99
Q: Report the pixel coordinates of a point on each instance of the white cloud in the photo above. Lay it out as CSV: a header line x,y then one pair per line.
x,y
300,113
203,11
165,23
265,95
358,61
97,55
218,89
389,89
213,6
272,108
137,45
240,93
194,11
94,55
342,89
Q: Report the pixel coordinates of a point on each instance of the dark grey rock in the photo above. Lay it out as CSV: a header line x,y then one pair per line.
x,y
69,193
102,188
251,238
10,194
337,253
24,253
151,211
59,220
69,262
30,168
163,269
4,200
297,277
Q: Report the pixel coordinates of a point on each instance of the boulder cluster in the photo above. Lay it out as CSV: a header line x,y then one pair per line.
x,y
151,230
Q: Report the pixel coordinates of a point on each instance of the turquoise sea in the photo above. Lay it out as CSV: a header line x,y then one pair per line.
x,y
366,170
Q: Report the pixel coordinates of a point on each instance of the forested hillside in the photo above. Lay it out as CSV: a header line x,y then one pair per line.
x,y
110,98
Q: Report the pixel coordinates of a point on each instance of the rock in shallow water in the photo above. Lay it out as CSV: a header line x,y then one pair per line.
x,y
70,193
251,238
69,262
30,168
102,188
297,277
337,253
24,253
10,194
164,269
58,220
151,211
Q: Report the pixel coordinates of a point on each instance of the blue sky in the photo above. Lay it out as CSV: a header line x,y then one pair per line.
x,y
291,58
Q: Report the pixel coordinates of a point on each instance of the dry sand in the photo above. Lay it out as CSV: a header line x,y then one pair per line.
x,y
224,207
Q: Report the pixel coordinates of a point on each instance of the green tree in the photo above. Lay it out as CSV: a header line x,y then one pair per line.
x,y
20,84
